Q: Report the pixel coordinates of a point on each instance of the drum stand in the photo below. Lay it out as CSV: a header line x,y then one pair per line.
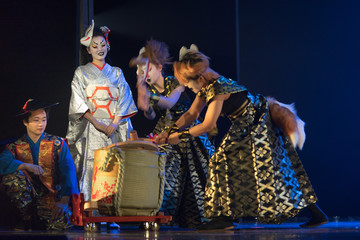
x,y
82,216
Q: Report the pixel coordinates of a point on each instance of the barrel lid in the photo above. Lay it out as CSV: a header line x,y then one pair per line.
x,y
140,143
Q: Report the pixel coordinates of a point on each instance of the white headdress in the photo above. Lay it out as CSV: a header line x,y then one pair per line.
x,y
141,51
184,50
145,67
86,40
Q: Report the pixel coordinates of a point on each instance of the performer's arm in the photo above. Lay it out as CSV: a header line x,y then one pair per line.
x,y
98,125
169,102
163,102
113,126
192,114
209,123
150,113
185,120
32,168
211,117
8,163
143,100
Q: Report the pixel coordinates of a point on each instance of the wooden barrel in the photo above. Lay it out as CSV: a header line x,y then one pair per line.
x,y
128,178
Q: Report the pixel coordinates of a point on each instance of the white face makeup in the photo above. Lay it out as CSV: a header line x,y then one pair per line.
x,y
141,69
98,48
154,74
194,85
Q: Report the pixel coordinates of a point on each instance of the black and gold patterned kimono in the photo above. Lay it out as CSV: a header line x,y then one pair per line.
x,y
255,171
186,164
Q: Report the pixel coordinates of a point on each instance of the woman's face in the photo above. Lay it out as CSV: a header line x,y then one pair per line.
x,y
154,74
195,85
98,48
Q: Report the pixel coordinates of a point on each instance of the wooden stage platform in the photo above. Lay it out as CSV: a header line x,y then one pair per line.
x,y
336,229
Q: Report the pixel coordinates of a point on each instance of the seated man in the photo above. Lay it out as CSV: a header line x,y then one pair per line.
x,y
38,173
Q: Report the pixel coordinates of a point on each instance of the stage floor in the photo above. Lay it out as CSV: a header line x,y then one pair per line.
x,y
348,229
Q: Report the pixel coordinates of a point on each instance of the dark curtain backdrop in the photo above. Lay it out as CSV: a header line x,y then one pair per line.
x,y
305,52
37,60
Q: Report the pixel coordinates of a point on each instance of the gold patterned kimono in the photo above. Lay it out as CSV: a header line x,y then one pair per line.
x,y
255,171
186,164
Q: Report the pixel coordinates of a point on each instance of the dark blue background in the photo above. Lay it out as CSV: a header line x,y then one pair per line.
x,y
305,52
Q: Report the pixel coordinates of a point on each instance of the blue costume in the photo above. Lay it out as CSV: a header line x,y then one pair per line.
x,y
37,195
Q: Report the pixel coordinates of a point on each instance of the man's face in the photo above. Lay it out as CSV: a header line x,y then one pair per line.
x,y
37,123
98,48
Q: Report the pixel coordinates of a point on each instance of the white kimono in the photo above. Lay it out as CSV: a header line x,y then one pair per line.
x,y
106,94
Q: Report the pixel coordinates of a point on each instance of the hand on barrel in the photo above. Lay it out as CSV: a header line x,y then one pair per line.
x,y
161,138
174,139
164,138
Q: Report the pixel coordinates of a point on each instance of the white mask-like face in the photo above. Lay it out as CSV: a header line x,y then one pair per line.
x,y
98,48
195,85
141,70
154,74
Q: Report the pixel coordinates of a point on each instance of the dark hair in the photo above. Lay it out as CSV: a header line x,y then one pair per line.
x,y
27,115
85,57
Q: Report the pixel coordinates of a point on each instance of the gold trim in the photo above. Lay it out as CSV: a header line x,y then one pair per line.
x,y
240,110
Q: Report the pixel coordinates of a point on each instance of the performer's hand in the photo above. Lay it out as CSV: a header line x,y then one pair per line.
x,y
101,127
111,129
60,207
31,168
173,139
140,78
161,138
143,97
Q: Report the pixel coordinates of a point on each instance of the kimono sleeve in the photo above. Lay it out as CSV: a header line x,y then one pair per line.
x,y
68,180
8,163
126,106
78,105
